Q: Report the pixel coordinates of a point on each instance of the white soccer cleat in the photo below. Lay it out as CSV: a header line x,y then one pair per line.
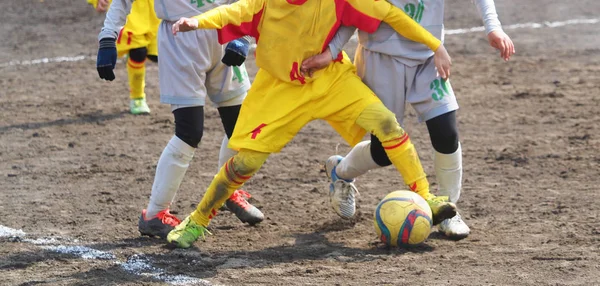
x,y
455,228
342,193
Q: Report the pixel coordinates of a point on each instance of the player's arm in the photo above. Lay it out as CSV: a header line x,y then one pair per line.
x,y
107,48
100,5
342,36
115,18
367,15
232,21
496,36
320,61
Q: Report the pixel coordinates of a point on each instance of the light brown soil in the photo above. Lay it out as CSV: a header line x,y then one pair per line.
x,y
75,164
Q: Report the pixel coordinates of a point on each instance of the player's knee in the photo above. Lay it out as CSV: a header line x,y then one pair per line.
x,y
153,58
389,128
247,162
138,55
378,153
445,142
444,133
192,135
189,124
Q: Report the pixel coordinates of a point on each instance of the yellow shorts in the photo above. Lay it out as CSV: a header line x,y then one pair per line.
x,y
274,111
140,30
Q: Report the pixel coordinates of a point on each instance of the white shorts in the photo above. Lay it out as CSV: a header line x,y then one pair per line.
x,y
190,69
396,83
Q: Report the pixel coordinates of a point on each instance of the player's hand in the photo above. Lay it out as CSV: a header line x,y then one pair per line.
x,y
102,5
107,59
442,61
185,25
315,63
236,52
501,41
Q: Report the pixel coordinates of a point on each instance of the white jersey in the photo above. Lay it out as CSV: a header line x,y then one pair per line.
x,y
428,13
170,10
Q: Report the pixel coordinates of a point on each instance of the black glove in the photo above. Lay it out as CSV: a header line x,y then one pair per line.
x,y
107,59
236,52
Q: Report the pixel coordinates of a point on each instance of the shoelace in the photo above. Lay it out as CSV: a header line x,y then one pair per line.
x,y
347,190
198,231
167,218
239,197
438,199
456,218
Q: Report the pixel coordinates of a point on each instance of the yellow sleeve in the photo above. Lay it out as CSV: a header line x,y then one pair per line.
x,y
93,3
408,28
367,15
236,14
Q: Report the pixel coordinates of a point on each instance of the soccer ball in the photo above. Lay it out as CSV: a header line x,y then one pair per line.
x,y
402,218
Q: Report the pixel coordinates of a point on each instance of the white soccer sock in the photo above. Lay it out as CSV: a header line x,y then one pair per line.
x,y
448,171
225,153
172,165
357,162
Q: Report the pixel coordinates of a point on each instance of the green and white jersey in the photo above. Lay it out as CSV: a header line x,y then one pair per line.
x,y
428,13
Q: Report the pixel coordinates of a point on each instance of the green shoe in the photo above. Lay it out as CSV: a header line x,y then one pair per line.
x,y
186,233
441,208
138,106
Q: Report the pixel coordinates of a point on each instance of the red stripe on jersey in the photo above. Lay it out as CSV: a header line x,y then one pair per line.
x,y
353,17
339,10
232,32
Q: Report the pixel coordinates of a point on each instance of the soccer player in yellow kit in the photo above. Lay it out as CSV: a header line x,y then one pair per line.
x,y
282,100
137,39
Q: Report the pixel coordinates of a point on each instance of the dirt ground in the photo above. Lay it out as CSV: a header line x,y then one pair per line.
x,y
77,168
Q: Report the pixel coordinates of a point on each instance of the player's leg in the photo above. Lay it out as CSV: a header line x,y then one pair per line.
x,y
237,203
170,170
136,74
133,41
371,115
187,98
271,115
435,103
226,87
384,76
236,171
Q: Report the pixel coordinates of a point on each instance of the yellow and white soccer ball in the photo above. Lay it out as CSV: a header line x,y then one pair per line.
x,y
402,218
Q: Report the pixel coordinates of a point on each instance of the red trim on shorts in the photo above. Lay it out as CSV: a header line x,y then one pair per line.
x,y
119,37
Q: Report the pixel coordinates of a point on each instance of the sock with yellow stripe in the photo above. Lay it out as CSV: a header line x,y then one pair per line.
x,y
381,122
404,156
231,177
136,73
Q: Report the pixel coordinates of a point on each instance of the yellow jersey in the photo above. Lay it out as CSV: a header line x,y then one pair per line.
x,y
289,31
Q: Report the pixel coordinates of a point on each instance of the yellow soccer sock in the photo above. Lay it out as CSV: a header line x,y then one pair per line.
x,y
404,156
136,73
381,122
236,171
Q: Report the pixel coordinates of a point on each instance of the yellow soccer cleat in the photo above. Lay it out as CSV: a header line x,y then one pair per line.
x,y
139,106
186,233
441,208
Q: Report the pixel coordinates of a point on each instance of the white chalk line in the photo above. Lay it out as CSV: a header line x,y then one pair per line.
x,y
137,264
447,32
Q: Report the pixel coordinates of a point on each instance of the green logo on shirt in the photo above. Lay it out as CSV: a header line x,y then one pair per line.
x,y
415,12
239,74
200,3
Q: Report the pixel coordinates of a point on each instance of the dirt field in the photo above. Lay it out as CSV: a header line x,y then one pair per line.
x,y
76,169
